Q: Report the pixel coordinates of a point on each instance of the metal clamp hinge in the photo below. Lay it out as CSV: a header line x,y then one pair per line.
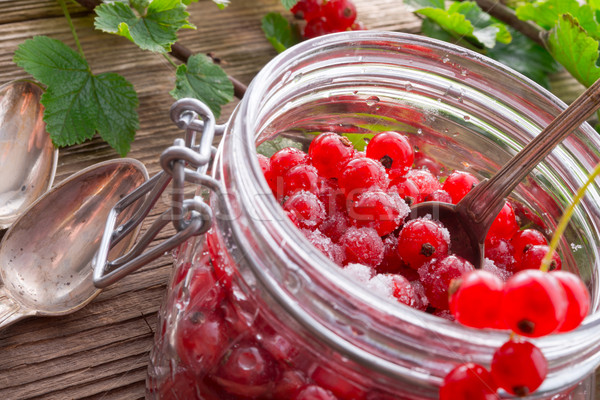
x,y
183,162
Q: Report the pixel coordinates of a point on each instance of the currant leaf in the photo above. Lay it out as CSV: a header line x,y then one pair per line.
x,y
466,20
220,3
414,5
205,81
546,14
577,51
156,30
270,147
280,33
78,103
288,4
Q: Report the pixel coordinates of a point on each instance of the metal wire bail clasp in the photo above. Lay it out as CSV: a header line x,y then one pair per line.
x,y
189,216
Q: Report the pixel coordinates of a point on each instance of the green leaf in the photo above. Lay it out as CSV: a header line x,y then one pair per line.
x,y
288,4
220,3
571,46
279,31
155,31
466,20
414,5
526,57
78,103
546,13
205,81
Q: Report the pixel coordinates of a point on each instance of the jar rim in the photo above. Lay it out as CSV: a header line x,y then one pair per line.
x,y
245,119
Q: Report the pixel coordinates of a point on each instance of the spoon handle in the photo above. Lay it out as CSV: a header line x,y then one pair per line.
x,y
484,202
10,310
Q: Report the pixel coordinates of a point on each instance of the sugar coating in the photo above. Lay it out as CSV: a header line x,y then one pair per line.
x,y
382,285
358,272
490,266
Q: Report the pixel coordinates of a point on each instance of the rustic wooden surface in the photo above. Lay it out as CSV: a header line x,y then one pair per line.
x,y
101,351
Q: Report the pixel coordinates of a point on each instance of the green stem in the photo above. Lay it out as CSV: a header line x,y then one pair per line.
x,y
170,60
564,220
63,6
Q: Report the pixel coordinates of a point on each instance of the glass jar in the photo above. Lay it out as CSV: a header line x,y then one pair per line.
x,y
254,310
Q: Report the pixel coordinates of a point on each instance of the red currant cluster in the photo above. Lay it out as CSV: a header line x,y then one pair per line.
x,y
352,206
326,16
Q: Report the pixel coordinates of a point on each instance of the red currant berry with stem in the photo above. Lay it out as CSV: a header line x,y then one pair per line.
x,y
393,151
200,339
504,226
437,275
534,303
458,184
362,246
379,210
406,189
301,177
519,367
307,209
314,392
329,152
578,299
474,299
533,256
361,174
307,9
421,240
468,381
247,370
524,239
341,13
425,181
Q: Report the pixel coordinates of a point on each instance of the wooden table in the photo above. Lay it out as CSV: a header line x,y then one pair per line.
x,y
101,351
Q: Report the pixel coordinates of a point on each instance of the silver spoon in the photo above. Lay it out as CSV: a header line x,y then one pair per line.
x,y
469,221
27,157
46,255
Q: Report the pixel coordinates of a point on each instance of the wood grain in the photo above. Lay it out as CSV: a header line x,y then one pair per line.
x,y
101,351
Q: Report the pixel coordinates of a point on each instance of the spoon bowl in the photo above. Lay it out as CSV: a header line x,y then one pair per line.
x,y
46,256
27,156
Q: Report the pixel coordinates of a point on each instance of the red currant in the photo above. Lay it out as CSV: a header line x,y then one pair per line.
x,y
341,13
247,370
437,275
378,210
307,208
519,367
533,256
407,189
474,299
421,240
307,9
361,174
425,181
578,299
286,158
325,245
291,382
439,195
504,226
501,252
393,151
301,177
329,152
468,382
524,239
363,246
458,184
534,303
335,225
318,26
200,338
314,392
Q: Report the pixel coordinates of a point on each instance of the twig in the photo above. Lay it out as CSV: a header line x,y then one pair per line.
x,y
498,10
179,51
